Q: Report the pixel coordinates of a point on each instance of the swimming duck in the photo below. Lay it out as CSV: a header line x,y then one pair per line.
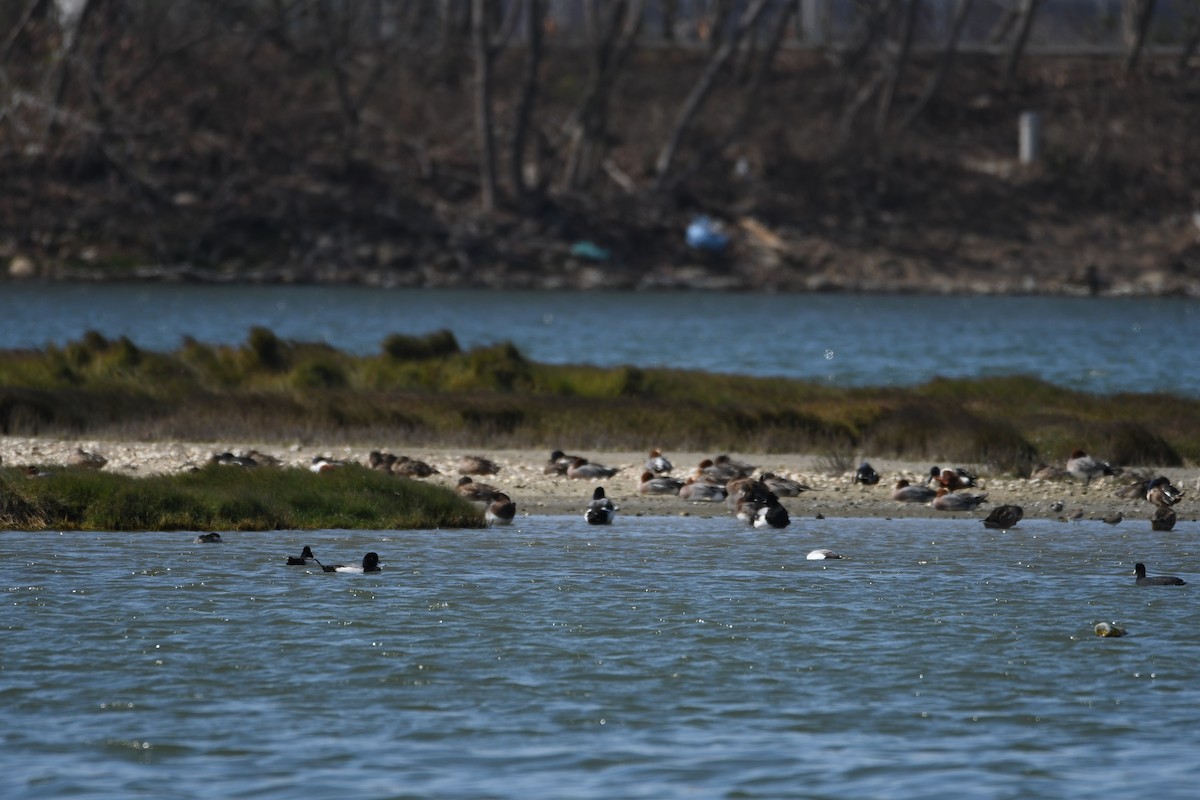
x,y
501,510
208,538
957,501
866,475
702,491
412,468
1084,467
301,560
370,563
467,487
771,514
783,487
1155,580
1161,493
649,484
821,554
582,469
1108,629
558,463
601,510
1004,517
658,463
477,465
912,494
1163,519
82,459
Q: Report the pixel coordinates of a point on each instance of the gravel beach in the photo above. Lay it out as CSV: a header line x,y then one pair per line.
x,y
521,475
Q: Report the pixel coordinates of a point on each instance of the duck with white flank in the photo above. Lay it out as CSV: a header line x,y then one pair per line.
x,y
325,464
1004,517
584,470
906,493
1161,493
661,484
821,554
772,514
866,475
1155,580
1084,467
601,510
370,563
957,501
501,510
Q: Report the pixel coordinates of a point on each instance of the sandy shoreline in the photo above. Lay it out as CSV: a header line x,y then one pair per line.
x,y
521,476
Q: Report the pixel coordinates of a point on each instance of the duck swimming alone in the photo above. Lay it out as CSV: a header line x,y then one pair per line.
x,y
306,555
1084,467
370,563
771,514
1139,570
601,510
821,554
1004,517
208,538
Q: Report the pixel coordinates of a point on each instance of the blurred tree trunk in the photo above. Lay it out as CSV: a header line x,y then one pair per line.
x,y
702,88
1136,16
613,39
939,76
484,132
747,106
524,190
1029,9
1193,37
896,68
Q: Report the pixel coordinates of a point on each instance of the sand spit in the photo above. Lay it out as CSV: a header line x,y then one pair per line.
x,y
522,476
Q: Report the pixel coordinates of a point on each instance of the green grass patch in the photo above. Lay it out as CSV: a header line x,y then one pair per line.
x,y
428,391
229,499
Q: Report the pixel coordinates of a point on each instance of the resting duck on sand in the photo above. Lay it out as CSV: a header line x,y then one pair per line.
x,y
957,501
912,494
649,484
1084,467
480,492
582,469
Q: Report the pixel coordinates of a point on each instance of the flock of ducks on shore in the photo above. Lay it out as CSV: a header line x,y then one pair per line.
x,y
753,499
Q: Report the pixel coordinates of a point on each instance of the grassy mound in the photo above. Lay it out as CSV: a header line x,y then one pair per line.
x,y
229,498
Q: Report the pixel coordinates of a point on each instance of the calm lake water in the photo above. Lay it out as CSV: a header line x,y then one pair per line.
x,y
664,657
1097,345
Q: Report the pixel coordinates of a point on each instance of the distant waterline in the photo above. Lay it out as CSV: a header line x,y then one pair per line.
x,y
1099,345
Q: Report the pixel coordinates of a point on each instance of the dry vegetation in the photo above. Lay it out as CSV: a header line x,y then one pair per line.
x,y
425,390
